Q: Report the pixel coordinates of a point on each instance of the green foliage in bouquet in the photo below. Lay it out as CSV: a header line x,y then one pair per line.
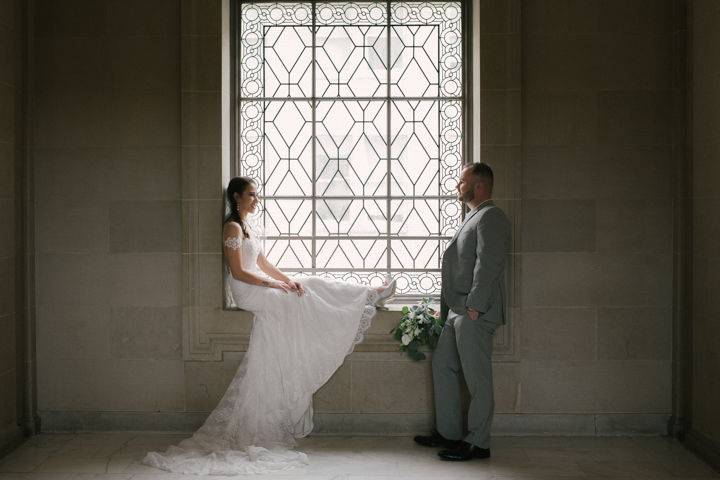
x,y
419,325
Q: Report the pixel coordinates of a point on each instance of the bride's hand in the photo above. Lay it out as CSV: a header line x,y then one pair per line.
x,y
281,286
297,287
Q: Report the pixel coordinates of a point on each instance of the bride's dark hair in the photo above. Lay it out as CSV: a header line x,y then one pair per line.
x,y
237,185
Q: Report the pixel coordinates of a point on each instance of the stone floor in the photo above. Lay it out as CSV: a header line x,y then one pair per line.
x,y
115,456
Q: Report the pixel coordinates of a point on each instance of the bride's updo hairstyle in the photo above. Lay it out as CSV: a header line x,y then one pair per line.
x,y
237,185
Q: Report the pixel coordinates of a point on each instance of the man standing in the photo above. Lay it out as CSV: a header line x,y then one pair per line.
x,y
472,302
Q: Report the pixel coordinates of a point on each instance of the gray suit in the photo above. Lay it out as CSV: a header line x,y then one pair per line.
x,y
473,276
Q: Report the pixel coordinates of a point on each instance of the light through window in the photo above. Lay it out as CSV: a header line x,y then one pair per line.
x,y
350,118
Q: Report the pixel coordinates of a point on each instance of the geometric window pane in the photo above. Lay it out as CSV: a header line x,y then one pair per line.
x,y
351,148
350,120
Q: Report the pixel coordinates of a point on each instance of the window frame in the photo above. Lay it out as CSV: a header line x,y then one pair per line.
x,y
467,50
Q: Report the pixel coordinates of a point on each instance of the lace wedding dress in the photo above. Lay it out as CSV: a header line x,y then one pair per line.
x,y
297,343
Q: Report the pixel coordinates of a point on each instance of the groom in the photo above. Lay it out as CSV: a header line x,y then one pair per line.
x,y
472,302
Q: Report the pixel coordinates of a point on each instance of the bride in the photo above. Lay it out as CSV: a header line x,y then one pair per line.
x,y
301,335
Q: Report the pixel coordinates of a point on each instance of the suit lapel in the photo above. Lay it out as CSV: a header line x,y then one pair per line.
x,y
470,215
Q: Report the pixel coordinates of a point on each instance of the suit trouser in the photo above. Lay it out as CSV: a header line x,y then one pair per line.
x,y
464,348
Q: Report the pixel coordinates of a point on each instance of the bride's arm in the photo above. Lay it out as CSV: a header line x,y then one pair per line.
x,y
271,269
232,236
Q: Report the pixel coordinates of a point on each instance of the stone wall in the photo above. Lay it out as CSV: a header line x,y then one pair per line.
x,y
12,313
705,144
576,118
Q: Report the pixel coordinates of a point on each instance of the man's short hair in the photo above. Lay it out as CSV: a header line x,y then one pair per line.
x,y
483,172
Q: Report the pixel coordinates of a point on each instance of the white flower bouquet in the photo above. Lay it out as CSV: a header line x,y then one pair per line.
x,y
419,325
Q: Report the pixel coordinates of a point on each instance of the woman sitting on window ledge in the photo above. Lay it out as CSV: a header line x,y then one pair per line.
x,y
301,335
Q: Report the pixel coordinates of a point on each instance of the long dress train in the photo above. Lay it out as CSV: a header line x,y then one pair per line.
x,y
296,344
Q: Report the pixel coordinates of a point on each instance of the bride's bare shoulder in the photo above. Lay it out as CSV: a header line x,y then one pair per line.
x,y
231,229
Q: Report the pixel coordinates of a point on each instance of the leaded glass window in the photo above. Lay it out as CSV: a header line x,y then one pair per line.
x,y
350,118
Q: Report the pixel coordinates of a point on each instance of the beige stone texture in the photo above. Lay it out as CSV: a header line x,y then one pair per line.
x,y
70,62
635,226
200,17
7,235
558,225
201,62
139,63
7,113
144,117
73,227
8,39
8,347
138,280
336,394
201,172
144,174
560,117
201,118
500,119
635,279
7,170
206,382
558,386
137,17
144,227
8,397
566,334
384,386
642,117
76,279
77,174
554,279
145,332
638,333
76,332
500,63
71,118
77,18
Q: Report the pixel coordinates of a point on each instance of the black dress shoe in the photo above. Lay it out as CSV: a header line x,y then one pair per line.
x,y
436,440
464,451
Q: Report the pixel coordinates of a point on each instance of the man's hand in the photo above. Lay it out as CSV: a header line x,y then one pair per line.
x,y
472,313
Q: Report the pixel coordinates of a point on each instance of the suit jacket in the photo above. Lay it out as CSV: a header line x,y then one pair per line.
x,y
473,265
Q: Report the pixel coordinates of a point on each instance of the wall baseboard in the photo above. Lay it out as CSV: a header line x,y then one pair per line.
x,y
704,447
381,424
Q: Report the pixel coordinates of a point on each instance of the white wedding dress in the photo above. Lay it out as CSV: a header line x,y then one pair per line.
x,y
297,343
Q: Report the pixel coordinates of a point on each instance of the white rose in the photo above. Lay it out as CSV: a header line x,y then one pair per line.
x,y
411,315
406,339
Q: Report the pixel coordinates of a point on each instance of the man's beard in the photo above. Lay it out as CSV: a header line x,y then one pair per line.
x,y
466,196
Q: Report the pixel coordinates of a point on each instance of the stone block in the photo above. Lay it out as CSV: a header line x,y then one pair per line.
x,y
563,334
635,333
506,164
8,397
141,280
7,279
500,61
633,387
558,387
146,332
76,332
634,62
558,172
391,387
74,118
635,117
555,62
87,18
559,279
7,13
7,113
559,117
70,63
137,17
635,279
635,225
144,174
145,117
75,279
201,17
206,382
500,117
706,168
7,170
201,62
646,170
8,57
202,173
561,17
500,16
144,62
64,384
507,387
558,225
8,342
144,226
335,395
76,174
635,16
73,227
201,118
706,227
7,220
